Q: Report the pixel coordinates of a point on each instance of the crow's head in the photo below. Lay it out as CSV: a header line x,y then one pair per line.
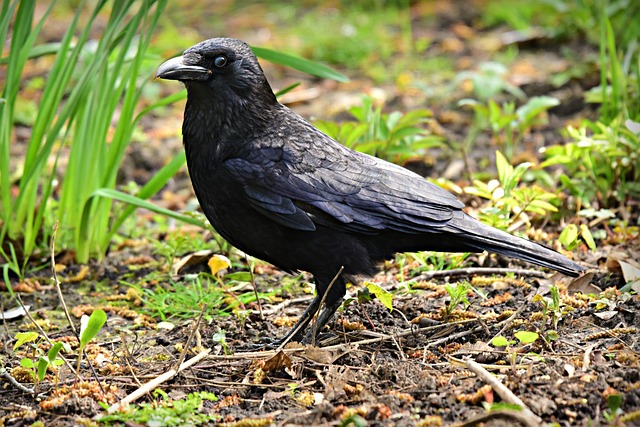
x,y
219,70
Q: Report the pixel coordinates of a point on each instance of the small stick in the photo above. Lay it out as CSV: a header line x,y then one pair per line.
x,y
481,271
66,311
128,356
191,335
15,382
151,385
508,321
519,417
56,282
502,390
451,337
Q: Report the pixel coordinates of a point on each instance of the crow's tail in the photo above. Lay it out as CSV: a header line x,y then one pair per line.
x,y
484,237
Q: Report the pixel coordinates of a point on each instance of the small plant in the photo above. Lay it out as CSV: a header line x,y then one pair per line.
x,y
396,137
39,362
551,307
614,404
221,338
601,163
412,264
89,328
489,81
385,297
183,298
510,202
167,412
570,237
457,295
509,125
523,337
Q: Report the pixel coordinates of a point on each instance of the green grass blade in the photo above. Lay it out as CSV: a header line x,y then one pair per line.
x,y
300,64
137,202
152,187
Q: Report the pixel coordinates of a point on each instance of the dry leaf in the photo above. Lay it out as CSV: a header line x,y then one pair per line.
x,y
606,315
277,362
630,272
15,312
194,258
583,285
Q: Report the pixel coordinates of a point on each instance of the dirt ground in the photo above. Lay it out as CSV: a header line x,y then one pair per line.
x,y
421,363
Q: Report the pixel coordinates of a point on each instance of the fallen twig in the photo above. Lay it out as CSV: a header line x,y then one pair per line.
x,y
64,307
481,271
15,382
191,335
502,390
56,282
151,385
497,415
380,338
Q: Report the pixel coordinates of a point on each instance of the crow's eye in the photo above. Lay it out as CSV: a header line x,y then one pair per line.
x,y
220,61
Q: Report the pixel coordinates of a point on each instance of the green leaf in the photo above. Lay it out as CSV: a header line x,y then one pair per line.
x,y
287,89
43,363
543,205
501,406
386,298
614,402
504,167
534,107
141,203
23,337
499,341
300,64
25,362
53,352
551,335
587,237
526,337
568,236
91,325
354,420
240,276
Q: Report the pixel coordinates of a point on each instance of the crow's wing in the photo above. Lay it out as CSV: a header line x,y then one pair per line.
x,y
312,179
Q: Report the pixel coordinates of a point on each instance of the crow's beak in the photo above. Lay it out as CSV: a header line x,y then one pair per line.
x,y
177,69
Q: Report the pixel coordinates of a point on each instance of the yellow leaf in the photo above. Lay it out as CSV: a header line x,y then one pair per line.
x,y
218,263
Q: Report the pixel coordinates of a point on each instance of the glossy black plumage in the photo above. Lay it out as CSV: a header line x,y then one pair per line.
x,y
279,189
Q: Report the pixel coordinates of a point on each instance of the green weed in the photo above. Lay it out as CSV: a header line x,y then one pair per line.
x,y
457,295
189,411
508,201
39,361
412,264
396,136
601,163
183,299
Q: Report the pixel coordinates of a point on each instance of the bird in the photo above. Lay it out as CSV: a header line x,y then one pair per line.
x,y
279,189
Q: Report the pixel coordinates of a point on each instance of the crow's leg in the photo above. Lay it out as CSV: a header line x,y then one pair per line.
x,y
330,291
324,317
298,329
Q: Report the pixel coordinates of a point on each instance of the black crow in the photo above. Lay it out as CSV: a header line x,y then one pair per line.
x,y
280,190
